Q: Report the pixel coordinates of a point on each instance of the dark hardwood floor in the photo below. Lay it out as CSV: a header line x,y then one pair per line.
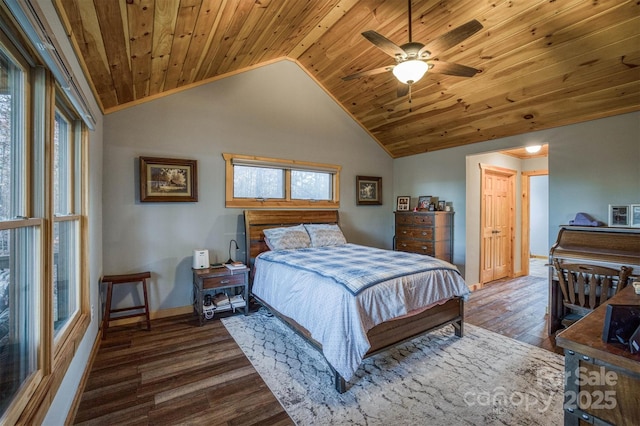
x,y
179,373
515,308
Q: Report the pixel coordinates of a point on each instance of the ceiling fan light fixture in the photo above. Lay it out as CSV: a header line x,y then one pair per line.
x,y
409,72
532,149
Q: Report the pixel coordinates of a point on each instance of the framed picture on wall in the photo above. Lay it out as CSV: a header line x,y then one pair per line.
x,y
369,190
168,180
618,215
634,215
403,203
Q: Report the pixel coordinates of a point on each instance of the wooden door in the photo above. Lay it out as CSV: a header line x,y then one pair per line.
x,y
496,216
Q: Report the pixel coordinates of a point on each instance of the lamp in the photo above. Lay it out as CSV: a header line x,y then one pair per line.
x,y
237,248
409,72
532,149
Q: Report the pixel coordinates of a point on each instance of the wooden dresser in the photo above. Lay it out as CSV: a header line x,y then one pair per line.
x,y
429,233
602,380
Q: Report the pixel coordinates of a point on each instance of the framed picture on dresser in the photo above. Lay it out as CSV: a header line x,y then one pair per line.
x,y
423,202
619,215
403,203
634,215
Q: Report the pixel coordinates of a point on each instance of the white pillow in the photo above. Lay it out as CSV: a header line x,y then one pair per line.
x,y
325,235
291,237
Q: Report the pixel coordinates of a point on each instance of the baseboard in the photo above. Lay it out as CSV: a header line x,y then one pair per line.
x,y
538,256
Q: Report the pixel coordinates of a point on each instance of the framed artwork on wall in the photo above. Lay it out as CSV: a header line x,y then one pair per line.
x,y
168,180
618,215
403,203
369,190
634,215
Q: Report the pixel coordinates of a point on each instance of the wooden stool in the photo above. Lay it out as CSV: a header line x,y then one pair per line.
x,y
110,280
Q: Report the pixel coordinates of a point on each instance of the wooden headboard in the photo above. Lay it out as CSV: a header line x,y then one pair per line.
x,y
256,221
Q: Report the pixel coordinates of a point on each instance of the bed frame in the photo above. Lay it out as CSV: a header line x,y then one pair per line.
x,y
382,336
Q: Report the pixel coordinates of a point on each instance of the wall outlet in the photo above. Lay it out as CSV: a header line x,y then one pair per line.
x,y
92,312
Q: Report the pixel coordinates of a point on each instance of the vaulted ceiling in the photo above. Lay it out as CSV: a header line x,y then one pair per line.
x,y
543,63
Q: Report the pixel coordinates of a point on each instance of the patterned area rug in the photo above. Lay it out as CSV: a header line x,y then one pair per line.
x,y
437,379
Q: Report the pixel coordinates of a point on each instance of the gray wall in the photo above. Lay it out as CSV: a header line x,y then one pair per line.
x,y
274,111
590,164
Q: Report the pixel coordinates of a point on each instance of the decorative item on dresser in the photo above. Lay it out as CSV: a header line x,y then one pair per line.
x,y
425,232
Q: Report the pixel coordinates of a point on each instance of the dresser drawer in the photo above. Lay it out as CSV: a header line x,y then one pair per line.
x,y
410,232
414,219
422,247
228,280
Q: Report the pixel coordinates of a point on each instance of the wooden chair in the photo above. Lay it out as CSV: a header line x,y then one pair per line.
x,y
585,287
111,280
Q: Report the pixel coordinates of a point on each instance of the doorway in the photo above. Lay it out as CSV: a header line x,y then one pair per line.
x,y
527,212
497,207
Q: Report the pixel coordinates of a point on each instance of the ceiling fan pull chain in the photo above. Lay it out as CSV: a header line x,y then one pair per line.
x,y
410,110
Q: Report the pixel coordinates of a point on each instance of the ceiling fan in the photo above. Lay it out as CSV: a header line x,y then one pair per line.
x,y
413,59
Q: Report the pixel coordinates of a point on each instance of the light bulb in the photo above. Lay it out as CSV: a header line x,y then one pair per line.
x,y
409,72
532,149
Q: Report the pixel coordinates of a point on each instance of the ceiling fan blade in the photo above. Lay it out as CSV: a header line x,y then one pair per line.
x,y
368,72
403,89
449,68
450,39
384,44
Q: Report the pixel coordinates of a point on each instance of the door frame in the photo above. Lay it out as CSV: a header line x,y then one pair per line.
x,y
511,175
525,239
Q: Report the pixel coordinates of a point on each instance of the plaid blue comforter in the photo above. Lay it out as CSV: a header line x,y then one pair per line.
x,y
356,267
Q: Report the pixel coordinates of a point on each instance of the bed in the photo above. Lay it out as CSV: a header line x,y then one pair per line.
x,y
396,305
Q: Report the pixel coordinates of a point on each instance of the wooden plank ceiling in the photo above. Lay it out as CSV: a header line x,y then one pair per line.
x,y
544,63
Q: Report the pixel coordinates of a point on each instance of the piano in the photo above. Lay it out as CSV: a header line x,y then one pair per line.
x,y
605,246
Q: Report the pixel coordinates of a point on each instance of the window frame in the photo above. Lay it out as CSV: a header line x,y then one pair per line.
x,y
36,393
75,150
287,166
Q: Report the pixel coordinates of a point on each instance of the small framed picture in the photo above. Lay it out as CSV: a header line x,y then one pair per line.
x,y
618,215
635,215
423,202
441,205
403,203
369,190
168,179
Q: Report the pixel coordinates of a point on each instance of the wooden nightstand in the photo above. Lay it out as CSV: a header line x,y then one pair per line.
x,y
213,280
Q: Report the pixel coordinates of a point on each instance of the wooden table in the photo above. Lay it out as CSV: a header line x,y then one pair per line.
x,y
602,380
214,280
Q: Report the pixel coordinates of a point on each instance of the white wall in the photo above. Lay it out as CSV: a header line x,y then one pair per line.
x,y
539,216
591,165
274,111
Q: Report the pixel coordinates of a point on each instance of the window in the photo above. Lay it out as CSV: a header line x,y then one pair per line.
x,y
66,220
43,281
267,182
20,237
